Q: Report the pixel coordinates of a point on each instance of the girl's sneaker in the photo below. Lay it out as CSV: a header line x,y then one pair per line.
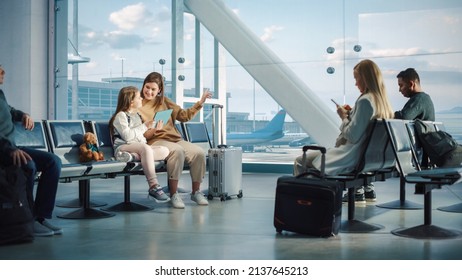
x,y
158,194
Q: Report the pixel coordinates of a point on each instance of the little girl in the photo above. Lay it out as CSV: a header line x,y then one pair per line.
x,y
128,133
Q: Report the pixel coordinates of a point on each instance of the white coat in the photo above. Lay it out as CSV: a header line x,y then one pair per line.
x,y
354,130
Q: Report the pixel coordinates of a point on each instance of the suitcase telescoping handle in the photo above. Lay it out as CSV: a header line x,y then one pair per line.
x,y
314,147
323,161
218,107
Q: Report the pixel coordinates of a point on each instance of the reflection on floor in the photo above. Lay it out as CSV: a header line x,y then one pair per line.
x,y
235,229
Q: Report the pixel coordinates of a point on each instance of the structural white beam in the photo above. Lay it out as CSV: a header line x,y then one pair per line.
x,y
302,104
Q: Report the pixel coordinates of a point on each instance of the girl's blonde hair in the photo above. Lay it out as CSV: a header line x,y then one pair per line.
x,y
372,77
126,96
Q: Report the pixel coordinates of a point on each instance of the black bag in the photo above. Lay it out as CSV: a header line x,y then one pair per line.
x,y
16,220
436,144
310,206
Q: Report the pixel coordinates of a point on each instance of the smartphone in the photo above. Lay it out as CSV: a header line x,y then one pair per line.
x,y
335,102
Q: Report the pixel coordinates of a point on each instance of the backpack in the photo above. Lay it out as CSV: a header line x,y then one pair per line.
x,y
16,219
436,144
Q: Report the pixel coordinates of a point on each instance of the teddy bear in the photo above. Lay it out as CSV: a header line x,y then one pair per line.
x,y
89,150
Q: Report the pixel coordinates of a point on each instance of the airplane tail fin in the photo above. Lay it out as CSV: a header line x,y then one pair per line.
x,y
276,124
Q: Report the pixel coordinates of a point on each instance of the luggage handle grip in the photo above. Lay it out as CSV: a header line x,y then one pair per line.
x,y
314,147
323,158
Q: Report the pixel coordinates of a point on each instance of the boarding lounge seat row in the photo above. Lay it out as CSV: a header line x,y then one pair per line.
x,y
402,138
63,138
389,151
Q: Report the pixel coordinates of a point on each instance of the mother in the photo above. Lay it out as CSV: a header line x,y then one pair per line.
x,y
181,151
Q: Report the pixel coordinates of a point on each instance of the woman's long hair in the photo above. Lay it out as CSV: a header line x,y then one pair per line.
x,y
372,77
155,77
126,96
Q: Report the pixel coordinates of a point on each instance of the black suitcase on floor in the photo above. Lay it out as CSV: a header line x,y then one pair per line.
x,y
311,206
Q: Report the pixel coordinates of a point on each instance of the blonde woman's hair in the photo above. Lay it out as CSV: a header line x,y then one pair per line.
x,y
372,77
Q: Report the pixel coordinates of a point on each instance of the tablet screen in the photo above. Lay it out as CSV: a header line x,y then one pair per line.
x,y
162,115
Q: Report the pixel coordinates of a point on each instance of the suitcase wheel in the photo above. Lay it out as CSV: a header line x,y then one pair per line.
x,y
278,230
209,197
239,195
222,198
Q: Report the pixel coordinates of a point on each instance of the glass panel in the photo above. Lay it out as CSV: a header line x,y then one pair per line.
x,y
428,39
320,41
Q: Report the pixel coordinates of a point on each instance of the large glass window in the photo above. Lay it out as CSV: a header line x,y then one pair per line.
x,y
319,41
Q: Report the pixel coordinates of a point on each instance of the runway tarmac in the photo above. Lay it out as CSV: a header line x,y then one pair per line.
x,y
282,154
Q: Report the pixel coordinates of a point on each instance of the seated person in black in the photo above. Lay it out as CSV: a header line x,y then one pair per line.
x,y
32,161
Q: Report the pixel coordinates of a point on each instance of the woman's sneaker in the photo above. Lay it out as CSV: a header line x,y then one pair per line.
x,y
199,198
176,201
359,198
369,193
370,196
158,194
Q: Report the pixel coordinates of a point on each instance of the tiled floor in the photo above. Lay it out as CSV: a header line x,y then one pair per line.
x,y
236,229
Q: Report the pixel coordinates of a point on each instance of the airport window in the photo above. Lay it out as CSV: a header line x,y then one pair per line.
x,y
83,97
319,45
105,103
106,99
95,101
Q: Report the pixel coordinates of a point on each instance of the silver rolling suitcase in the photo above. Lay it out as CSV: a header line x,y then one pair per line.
x,y
225,173
225,170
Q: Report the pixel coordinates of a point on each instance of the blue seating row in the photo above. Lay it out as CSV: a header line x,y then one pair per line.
x,y
63,138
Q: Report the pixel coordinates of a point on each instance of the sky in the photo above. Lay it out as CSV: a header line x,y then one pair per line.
x,y
396,34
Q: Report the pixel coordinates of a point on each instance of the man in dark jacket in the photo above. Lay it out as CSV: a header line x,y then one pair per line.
x,y
419,106
31,161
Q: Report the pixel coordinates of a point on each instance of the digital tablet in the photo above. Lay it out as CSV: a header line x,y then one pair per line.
x,y
163,116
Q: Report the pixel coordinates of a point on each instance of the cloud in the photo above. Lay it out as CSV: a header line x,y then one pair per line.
x,y
91,65
369,49
188,37
164,14
154,37
90,39
122,40
441,77
451,20
135,26
130,16
397,52
189,27
269,32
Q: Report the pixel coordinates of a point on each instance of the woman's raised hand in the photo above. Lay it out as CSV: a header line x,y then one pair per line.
x,y
206,95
